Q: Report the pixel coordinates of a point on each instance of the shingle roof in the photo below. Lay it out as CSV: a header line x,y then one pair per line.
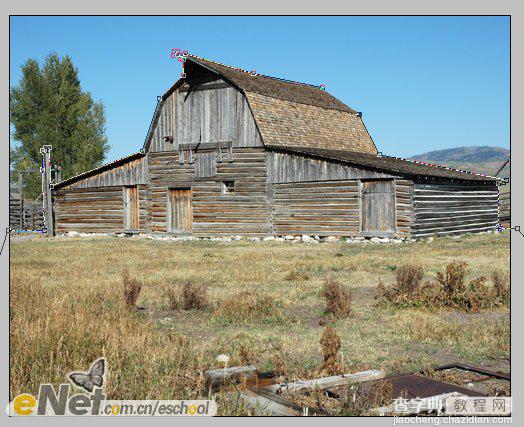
x,y
391,164
275,87
294,114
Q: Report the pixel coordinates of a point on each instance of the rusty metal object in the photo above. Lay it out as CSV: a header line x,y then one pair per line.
x,y
477,369
411,386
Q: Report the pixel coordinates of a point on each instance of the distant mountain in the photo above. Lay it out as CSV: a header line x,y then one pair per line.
x,y
484,160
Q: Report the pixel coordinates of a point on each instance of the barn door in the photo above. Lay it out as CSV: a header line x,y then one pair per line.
x,y
378,207
180,210
131,208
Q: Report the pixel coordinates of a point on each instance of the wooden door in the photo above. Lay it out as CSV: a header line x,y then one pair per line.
x,y
131,208
378,207
180,210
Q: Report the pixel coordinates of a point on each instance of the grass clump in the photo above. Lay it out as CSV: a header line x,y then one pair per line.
x,y
189,295
246,307
338,299
330,342
132,289
450,290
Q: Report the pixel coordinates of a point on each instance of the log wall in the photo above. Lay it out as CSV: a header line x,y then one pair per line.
x,y
316,208
245,211
95,210
446,209
404,206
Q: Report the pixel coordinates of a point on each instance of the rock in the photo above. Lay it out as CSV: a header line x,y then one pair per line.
x,y
317,238
238,237
269,239
376,240
289,237
255,239
397,241
359,238
385,240
226,239
306,238
429,240
316,242
280,239
73,233
331,239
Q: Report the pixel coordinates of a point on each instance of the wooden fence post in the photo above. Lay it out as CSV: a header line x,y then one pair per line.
x,y
46,177
21,196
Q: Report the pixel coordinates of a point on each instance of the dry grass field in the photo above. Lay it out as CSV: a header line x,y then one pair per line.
x,y
265,306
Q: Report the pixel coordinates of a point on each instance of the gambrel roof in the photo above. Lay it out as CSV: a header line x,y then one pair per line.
x,y
290,114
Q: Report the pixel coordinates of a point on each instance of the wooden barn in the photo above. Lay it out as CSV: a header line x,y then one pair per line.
x,y
232,153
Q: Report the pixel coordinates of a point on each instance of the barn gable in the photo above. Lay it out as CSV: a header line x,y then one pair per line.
x,y
225,103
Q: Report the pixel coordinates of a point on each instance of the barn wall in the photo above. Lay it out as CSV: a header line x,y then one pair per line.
x,y
131,173
95,210
284,167
244,212
404,206
446,209
212,112
316,208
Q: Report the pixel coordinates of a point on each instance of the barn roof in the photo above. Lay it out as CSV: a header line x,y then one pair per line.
x,y
290,114
390,164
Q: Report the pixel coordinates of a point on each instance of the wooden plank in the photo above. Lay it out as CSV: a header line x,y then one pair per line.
x,y
217,378
326,382
265,406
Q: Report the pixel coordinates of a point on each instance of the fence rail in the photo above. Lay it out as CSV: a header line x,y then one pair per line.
x,y
25,215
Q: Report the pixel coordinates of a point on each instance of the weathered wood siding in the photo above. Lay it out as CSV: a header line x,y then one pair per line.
x,y
245,211
212,112
131,173
95,210
316,208
445,209
285,167
404,206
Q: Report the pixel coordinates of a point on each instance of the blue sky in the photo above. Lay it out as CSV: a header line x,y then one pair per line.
x,y
422,83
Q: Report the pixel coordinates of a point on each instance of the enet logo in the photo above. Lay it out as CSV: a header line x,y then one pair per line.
x,y
49,403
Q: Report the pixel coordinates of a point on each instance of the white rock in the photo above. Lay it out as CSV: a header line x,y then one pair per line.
x,y
280,239
385,240
226,239
238,237
359,238
289,237
429,240
255,239
317,238
306,238
375,240
397,241
72,233
331,239
269,238
316,242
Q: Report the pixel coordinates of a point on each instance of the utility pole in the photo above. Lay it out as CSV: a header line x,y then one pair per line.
x,y
46,189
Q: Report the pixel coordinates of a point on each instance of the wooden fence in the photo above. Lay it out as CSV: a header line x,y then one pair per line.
x,y
24,215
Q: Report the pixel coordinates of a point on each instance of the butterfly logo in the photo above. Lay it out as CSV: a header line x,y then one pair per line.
x,y
93,377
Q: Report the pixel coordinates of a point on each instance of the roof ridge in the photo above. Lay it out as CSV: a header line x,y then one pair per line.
x,y
256,74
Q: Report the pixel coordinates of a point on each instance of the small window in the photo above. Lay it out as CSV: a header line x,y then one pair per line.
x,y
228,187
